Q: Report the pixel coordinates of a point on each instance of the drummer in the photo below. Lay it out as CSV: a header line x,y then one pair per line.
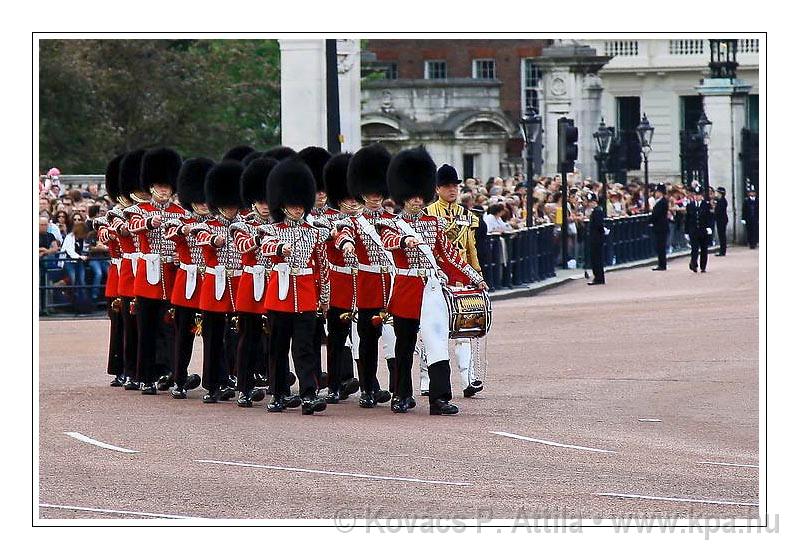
x,y
425,260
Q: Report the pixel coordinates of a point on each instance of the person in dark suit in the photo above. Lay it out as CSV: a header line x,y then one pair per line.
x,y
660,223
699,222
597,238
750,217
721,219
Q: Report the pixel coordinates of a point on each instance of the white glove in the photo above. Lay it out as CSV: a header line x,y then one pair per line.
x,y
686,235
606,230
708,231
744,222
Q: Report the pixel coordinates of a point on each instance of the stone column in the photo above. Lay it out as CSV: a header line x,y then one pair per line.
x,y
724,101
349,65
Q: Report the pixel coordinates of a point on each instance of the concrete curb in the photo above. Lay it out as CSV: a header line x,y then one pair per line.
x,y
577,274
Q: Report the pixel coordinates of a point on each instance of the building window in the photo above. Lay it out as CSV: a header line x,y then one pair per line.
x,y
435,69
470,161
691,109
390,73
483,69
531,84
752,112
628,113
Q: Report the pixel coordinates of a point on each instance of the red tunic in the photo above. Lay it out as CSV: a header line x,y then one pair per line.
x,y
373,286
406,299
225,261
129,247
189,254
305,291
153,242
107,237
343,284
246,239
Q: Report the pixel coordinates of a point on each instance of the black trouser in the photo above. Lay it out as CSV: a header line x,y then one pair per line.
x,y
153,342
319,335
722,233
661,248
130,339
438,372
368,349
297,330
215,369
231,343
596,255
248,350
184,342
338,331
699,243
116,341
752,234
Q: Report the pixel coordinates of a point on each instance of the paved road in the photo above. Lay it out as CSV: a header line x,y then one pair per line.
x,y
576,365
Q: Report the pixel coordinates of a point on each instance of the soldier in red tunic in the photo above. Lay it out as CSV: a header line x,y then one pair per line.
x,y
343,278
366,183
156,269
130,193
222,273
298,284
256,267
426,260
185,295
106,236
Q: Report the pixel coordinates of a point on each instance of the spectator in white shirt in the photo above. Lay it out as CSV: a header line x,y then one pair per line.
x,y
494,220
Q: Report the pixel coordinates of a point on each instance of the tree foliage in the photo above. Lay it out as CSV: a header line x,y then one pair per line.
x,y
101,97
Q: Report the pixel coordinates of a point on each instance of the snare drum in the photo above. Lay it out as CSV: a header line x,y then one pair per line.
x,y
470,312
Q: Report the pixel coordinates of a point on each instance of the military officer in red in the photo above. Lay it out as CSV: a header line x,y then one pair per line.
x,y
366,183
343,278
256,267
156,269
426,260
298,284
185,295
130,193
106,236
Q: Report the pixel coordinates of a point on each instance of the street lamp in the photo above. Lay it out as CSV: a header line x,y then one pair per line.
x,y
704,132
603,138
645,132
531,125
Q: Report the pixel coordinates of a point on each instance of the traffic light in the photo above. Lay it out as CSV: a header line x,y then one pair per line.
x,y
567,144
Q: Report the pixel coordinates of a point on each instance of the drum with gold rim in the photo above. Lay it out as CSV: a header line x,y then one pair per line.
x,y
470,312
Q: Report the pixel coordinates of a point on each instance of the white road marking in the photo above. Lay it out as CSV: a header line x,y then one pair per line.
x,y
87,439
334,473
649,420
727,464
119,511
688,500
553,443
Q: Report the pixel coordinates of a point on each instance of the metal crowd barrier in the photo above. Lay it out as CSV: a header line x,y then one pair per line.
x,y
58,294
521,257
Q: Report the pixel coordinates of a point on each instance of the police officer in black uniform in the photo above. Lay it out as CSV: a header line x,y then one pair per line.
x,y
750,217
597,239
699,222
721,219
660,223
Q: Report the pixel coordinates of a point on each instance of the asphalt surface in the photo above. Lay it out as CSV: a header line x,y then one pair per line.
x,y
575,365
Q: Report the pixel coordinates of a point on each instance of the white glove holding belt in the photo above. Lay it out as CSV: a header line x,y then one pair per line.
x,y
606,230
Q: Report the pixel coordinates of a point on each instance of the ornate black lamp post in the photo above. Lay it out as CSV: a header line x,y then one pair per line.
x,y
704,131
531,125
603,139
645,132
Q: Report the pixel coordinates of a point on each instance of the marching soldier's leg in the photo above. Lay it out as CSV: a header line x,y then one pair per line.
x,y
704,241
304,353
337,337
367,356
424,380
147,317
246,349
389,341
695,250
182,353
165,347
406,333
130,344
281,326
466,367
116,343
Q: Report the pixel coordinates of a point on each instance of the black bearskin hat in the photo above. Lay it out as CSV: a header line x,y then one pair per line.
x,y
412,173
316,158
160,166
249,158
335,178
280,152
191,181
238,153
367,171
130,173
290,182
222,185
254,180
447,175
112,177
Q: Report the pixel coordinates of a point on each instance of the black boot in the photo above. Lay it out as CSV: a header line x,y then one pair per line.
x,y
277,404
410,403
149,389
310,406
382,396
178,393
258,394
212,396
347,388
367,400
244,400
192,382
399,405
118,381
130,385
227,393
441,406
472,388
164,383
332,397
